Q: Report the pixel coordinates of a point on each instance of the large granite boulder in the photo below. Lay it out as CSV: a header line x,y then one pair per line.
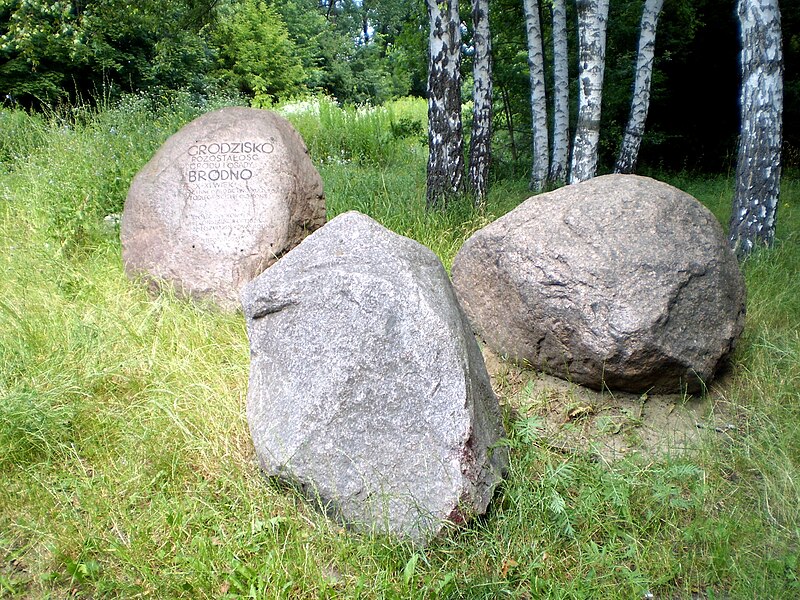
x,y
620,281
220,201
367,388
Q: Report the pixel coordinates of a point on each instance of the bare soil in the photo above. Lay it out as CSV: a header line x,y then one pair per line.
x,y
607,424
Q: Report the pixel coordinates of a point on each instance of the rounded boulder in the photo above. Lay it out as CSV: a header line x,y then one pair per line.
x,y
619,282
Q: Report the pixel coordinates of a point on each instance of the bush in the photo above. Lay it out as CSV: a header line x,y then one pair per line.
x,y
256,55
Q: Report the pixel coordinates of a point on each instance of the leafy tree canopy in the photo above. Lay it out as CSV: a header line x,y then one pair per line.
x,y
255,54
361,51
53,51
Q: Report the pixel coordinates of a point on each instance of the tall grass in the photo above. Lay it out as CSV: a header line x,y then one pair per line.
x,y
127,467
75,168
372,159
365,135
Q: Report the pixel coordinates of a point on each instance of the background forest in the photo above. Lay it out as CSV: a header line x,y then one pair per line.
x,y
359,52
127,469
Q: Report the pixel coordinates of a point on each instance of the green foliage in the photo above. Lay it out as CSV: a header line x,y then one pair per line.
x,y
401,31
357,52
355,67
34,36
365,135
369,52
255,53
128,468
61,50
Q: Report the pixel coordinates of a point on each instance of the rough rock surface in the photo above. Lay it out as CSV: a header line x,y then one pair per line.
x,y
621,281
219,202
367,388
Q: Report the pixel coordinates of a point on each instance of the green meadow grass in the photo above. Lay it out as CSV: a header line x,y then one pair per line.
x,y
128,470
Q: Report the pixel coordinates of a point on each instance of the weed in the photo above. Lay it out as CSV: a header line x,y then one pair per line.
x,y
128,469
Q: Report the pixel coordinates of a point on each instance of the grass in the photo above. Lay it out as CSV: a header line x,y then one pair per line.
x,y
127,466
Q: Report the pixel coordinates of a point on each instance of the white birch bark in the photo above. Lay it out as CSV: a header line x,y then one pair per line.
x,y
592,20
480,144
632,139
540,166
558,164
445,135
758,169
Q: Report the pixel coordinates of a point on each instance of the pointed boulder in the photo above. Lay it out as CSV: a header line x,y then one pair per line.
x,y
367,387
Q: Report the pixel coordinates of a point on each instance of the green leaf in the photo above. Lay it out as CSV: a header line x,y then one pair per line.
x,y
411,567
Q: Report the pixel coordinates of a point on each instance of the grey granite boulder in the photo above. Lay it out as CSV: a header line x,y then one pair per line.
x,y
220,201
620,281
367,388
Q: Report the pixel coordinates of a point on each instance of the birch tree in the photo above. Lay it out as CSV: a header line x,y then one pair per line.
x,y
558,164
758,168
592,20
632,139
540,165
481,139
445,136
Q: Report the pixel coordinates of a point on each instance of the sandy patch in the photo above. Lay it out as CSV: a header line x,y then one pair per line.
x,y
609,425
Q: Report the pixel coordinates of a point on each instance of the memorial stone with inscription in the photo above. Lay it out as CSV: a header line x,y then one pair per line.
x,y
222,200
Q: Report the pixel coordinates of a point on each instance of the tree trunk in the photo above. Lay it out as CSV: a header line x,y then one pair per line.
x,y
758,169
445,135
331,8
632,140
558,165
480,146
540,166
510,126
592,20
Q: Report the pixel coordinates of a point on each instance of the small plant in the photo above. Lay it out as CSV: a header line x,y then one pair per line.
x,y
529,429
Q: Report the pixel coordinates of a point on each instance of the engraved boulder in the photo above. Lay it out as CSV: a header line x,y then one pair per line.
x,y
223,199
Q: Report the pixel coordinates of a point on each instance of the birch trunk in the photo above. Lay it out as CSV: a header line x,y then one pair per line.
x,y
558,165
632,140
480,146
445,136
540,166
758,169
592,20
